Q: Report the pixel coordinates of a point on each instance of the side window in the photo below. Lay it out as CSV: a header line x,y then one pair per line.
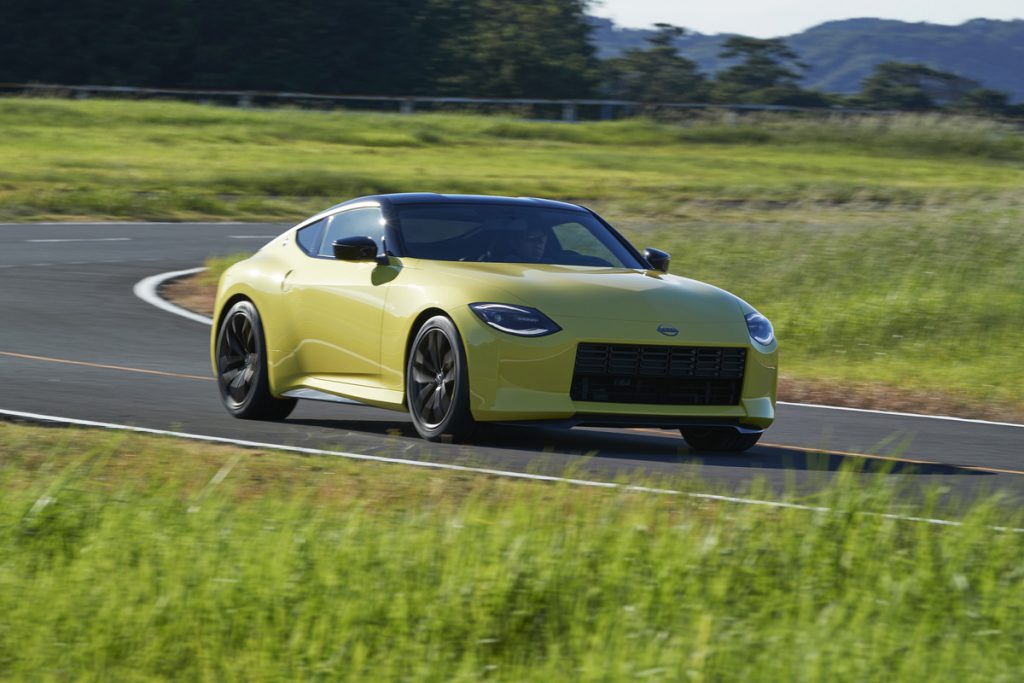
x,y
308,238
354,223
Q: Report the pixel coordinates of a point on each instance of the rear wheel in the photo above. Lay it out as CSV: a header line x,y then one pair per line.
x,y
437,382
242,367
719,439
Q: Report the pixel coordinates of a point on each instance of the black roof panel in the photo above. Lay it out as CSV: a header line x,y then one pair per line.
x,y
433,198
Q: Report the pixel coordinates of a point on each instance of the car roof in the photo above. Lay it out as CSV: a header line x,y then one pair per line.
x,y
434,198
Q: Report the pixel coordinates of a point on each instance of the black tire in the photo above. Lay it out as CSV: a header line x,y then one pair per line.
x,y
719,439
437,383
242,367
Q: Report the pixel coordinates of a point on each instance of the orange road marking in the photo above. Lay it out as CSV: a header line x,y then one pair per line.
x,y
103,366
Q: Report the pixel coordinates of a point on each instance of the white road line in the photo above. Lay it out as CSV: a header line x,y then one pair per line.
x,y
36,417
86,239
949,418
147,291
157,280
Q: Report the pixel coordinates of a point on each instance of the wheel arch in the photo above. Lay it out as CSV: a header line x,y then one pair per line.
x,y
456,420
228,304
219,313
421,318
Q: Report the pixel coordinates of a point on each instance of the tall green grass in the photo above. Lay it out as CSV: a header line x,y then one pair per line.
x,y
216,265
138,558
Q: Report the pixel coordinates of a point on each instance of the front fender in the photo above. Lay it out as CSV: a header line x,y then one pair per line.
x,y
258,279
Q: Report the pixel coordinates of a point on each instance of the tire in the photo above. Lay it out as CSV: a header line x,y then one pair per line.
x,y
719,439
242,367
437,383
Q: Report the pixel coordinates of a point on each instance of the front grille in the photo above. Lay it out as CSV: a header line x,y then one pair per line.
x,y
661,375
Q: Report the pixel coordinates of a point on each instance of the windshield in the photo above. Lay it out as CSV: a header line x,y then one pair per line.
x,y
494,233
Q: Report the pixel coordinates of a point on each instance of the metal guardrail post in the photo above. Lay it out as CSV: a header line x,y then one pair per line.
x,y
569,112
407,106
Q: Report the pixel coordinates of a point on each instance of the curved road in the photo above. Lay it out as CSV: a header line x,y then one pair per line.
x,y
76,342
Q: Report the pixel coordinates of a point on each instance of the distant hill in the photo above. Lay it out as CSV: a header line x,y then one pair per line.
x,y
841,53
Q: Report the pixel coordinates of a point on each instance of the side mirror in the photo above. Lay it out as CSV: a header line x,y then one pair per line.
x,y
356,249
657,258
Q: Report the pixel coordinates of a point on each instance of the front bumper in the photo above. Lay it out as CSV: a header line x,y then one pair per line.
x,y
529,379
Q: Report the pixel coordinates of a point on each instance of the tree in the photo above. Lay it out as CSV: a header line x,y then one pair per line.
x,y
913,87
984,101
469,47
527,48
769,73
657,73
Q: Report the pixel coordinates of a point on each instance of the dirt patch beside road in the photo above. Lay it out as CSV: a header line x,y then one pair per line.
x,y
189,293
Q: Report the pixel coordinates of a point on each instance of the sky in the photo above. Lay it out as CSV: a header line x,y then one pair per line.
x,y
771,18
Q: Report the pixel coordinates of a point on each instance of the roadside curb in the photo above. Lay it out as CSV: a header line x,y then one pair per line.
x,y
148,290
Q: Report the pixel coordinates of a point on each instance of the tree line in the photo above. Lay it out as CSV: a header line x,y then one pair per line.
x,y
767,71
472,48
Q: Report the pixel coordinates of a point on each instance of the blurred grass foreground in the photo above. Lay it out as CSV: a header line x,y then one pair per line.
x,y
138,558
888,251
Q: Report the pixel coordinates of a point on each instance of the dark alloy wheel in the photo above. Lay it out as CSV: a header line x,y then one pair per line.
x,y
719,439
242,367
436,382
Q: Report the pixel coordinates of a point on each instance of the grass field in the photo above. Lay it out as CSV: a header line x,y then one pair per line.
x,y
888,251
138,558
165,160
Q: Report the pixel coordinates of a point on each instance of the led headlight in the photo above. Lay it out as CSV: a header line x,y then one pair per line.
x,y
518,320
760,329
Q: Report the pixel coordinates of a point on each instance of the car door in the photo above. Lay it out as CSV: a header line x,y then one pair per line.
x,y
338,305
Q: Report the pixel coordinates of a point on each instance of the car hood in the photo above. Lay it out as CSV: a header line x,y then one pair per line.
x,y
586,292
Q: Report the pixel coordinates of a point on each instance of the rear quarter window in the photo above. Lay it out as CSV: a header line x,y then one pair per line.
x,y
308,238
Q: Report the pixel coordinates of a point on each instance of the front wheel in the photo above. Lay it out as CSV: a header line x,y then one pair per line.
x,y
242,367
719,439
437,382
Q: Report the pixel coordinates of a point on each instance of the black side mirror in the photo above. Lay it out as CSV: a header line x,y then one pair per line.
x,y
657,258
356,249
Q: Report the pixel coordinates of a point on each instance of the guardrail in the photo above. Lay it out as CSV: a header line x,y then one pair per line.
x,y
569,109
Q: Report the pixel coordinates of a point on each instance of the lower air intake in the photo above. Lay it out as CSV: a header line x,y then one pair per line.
x,y
658,375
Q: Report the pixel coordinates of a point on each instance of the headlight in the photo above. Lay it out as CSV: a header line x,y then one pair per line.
x,y
760,329
518,320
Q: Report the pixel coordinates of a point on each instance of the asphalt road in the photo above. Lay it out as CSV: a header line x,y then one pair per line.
x,y
66,295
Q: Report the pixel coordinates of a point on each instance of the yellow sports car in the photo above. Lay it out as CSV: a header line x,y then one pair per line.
x,y
470,309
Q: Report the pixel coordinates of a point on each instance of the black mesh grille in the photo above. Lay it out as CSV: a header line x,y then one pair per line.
x,y
662,375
